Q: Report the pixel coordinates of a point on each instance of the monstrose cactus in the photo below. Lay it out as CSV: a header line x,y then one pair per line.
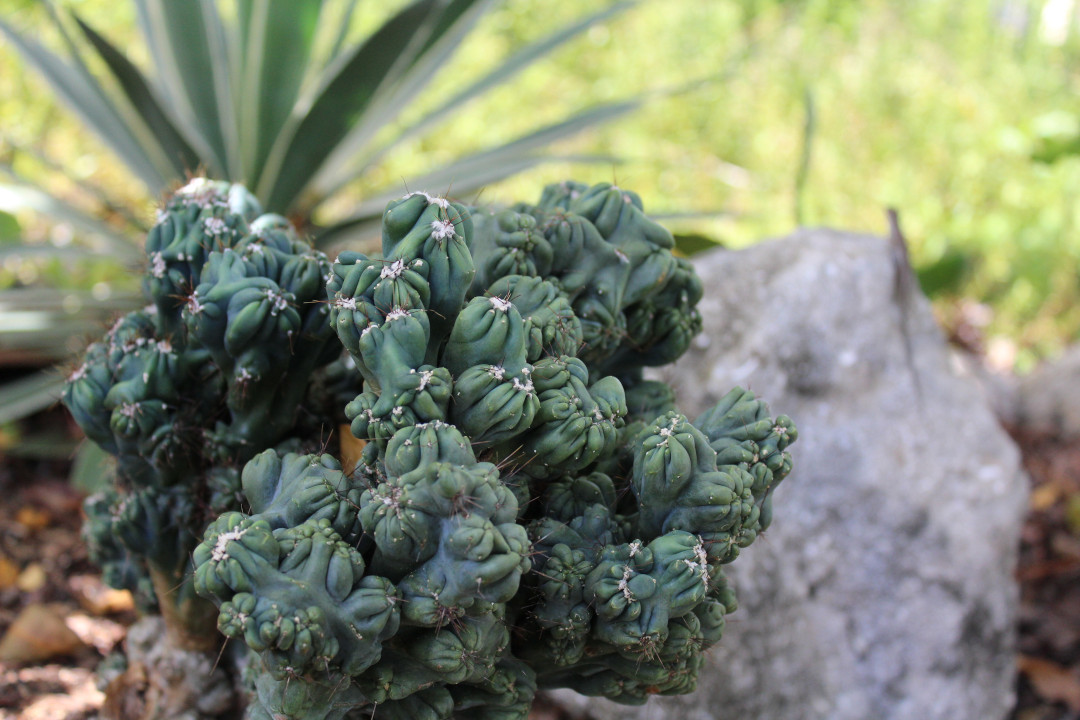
x,y
527,511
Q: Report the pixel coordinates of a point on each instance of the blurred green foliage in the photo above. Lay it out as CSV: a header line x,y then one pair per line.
x,y
965,116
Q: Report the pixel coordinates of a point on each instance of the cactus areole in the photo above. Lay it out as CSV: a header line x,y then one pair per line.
x,y
527,510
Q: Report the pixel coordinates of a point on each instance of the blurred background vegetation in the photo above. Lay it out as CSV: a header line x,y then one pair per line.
x,y
758,116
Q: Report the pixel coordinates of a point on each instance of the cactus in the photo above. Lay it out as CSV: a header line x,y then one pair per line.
x,y
528,511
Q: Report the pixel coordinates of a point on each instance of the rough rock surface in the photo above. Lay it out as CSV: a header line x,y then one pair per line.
x,y
884,588
163,680
1049,398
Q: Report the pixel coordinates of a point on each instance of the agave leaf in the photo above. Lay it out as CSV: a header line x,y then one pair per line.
x,y
21,196
108,205
178,36
176,150
221,63
457,179
341,165
490,165
277,37
305,144
82,94
505,70
343,30
38,324
68,252
65,302
26,396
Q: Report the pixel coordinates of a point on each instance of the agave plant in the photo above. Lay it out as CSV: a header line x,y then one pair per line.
x,y
251,91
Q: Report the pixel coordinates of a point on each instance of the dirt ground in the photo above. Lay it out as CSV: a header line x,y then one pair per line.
x,y
57,620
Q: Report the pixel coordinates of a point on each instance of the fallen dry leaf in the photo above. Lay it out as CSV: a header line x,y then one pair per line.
x,y
32,578
38,633
97,598
79,698
55,496
33,518
1052,681
1044,496
9,572
351,449
104,635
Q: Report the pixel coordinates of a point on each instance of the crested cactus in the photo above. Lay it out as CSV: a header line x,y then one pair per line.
x,y
527,512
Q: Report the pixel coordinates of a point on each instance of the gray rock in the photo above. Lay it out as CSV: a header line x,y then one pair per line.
x,y
1049,398
164,680
884,588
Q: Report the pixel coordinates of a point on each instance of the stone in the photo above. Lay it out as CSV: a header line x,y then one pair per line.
x,y
160,679
1048,399
884,588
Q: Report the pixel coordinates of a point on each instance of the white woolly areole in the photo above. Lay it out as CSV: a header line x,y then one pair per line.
x,y
349,303
198,186
164,346
501,305
624,584
526,386
425,379
215,226
635,548
434,425
277,301
221,551
431,199
202,192
396,314
701,564
128,410
157,265
442,229
668,432
193,305
497,372
79,374
393,270
244,375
